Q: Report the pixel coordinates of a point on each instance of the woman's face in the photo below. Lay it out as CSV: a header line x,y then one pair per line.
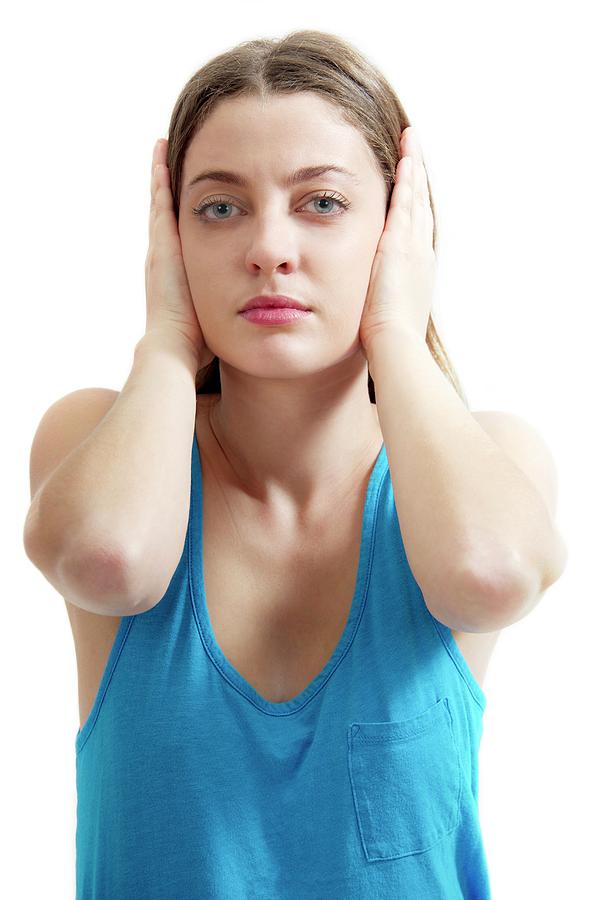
x,y
268,236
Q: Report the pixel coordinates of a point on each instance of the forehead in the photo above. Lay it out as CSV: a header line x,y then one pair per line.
x,y
274,137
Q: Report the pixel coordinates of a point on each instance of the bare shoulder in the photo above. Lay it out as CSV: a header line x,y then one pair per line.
x,y
526,447
64,425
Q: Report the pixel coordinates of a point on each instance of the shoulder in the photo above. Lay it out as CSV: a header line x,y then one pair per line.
x,y
63,426
81,399
526,447
78,408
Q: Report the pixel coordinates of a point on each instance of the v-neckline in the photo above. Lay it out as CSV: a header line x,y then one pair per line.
x,y
198,593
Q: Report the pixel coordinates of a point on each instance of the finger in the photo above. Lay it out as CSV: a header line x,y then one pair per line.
x,y
418,210
161,202
159,158
159,153
402,196
422,215
419,200
400,210
421,212
156,160
162,220
154,189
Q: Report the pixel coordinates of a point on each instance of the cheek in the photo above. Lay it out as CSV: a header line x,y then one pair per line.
x,y
197,258
341,317
205,277
356,277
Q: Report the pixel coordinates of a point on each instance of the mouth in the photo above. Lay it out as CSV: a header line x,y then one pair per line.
x,y
274,315
273,301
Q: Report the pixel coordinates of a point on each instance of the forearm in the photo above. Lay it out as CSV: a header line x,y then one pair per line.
x,y
474,528
123,494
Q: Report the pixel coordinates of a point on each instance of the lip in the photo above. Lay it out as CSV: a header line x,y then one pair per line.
x,y
277,301
269,315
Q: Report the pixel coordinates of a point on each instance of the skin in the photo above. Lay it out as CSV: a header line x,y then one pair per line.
x,y
294,422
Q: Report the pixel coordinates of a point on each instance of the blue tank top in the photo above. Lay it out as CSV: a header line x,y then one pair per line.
x,y
192,786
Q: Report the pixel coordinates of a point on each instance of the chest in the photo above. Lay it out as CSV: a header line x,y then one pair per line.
x,y
278,601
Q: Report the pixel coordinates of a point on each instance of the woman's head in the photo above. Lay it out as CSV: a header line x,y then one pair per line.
x,y
263,110
274,236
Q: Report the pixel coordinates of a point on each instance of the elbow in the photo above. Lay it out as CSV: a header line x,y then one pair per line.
x,y
138,577
503,595
480,600
106,578
514,589
488,595
95,575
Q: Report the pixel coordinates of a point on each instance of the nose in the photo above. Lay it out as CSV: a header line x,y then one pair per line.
x,y
272,246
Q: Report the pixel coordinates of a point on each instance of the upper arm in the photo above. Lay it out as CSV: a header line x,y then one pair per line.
x,y
63,427
523,444
527,449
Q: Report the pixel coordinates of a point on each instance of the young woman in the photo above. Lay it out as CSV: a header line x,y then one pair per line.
x,y
287,546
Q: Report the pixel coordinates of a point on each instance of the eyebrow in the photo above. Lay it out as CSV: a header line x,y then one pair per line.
x,y
297,177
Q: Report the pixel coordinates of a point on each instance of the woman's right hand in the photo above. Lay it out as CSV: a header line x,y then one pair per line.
x,y
169,305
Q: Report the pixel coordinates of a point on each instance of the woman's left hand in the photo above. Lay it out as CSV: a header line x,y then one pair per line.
x,y
402,279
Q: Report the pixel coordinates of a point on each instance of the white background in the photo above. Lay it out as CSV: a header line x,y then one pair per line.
x,y
503,100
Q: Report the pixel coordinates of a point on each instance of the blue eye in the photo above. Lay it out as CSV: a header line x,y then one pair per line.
x,y
222,201
340,200
219,201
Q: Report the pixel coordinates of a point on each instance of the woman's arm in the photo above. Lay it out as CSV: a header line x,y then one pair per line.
x,y
479,537
109,523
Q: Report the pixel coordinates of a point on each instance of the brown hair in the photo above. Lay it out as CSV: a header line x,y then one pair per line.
x,y
301,61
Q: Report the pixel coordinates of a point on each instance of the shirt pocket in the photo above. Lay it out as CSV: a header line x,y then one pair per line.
x,y
406,782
